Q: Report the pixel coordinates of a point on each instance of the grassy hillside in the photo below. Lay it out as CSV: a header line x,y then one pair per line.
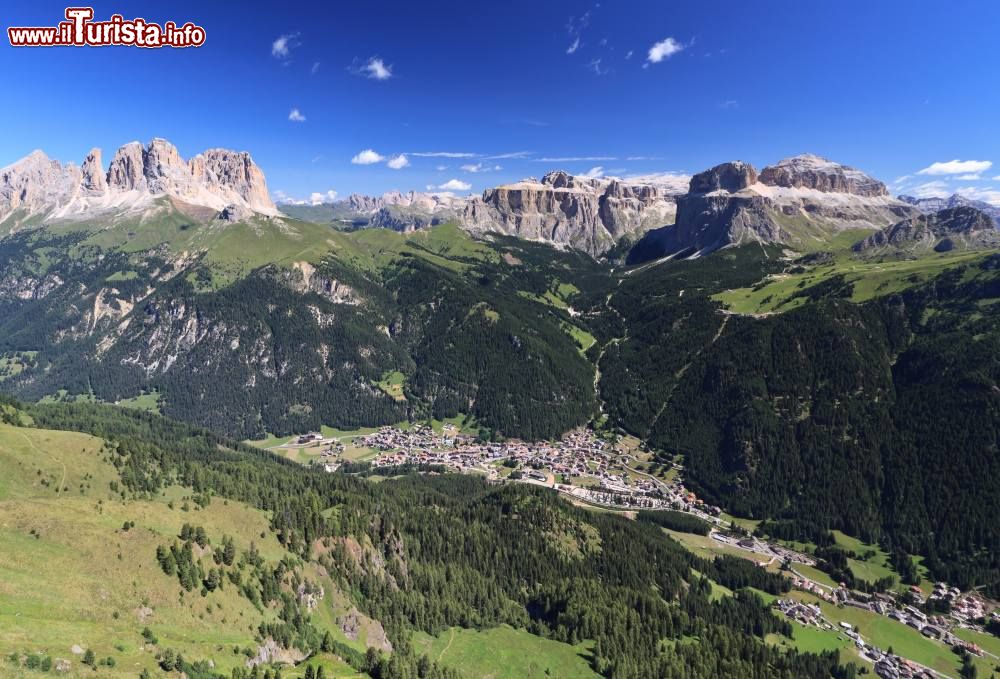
x,y
505,653
838,271
72,575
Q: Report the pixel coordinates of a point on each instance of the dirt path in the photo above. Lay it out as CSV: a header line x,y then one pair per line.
x,y
62,481
445,649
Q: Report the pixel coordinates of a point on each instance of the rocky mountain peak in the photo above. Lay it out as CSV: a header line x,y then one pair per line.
x,y
936,204
815,172
215,179
732,177
94,180
126,172
587,213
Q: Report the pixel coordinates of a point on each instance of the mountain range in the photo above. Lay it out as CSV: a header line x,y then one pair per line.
x,y
37,189
819,355
799,201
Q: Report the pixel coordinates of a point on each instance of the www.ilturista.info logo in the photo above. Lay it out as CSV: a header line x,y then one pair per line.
x,y
80,30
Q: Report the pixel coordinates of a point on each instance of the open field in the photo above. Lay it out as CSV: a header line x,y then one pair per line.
x,y
148,401
707,547
870,278
392,384
814,640
504,653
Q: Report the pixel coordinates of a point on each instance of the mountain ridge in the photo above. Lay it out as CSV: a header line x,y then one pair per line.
x,y
38,188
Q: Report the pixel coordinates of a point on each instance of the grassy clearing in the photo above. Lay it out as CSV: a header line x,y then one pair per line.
x,y
584,340
815,574
149,401
707,547
809,639
870,278
504,653
392,384
13,363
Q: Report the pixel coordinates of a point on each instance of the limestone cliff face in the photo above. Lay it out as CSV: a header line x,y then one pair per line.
x,y
585,213
236,177
35,183
38,187
813,172
798,201
94,181
126,172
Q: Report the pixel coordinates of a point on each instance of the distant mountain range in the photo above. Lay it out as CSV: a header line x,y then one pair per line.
x,y
37,189
799,201
929,205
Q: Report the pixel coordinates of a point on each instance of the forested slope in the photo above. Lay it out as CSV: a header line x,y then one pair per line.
x,y
880,418
430,552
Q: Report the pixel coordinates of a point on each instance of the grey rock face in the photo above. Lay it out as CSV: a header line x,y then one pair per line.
x,y
813,172
35,183
94,181
732,177
586,213
127,170
796,201
233,174
218,179
952,228
931,205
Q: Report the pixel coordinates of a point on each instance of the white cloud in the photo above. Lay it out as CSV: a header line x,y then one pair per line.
x,y
572,159
597,68
441,168
376,69
969,177
479,167
513,154
997,178
367,157
295,116
957,167
935,189
987,194
315,67
398,162
664,49
454,185
317,198
282,47
729,103
442,154
634,158
629,54
674,182
574,47
594,172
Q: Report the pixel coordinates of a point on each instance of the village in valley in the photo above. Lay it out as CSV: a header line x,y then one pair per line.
x,y
615,472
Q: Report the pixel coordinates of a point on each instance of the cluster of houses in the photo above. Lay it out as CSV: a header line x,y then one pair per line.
x,y
887,665
580,455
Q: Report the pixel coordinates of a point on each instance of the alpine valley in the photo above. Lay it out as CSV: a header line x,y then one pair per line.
x,y
791,359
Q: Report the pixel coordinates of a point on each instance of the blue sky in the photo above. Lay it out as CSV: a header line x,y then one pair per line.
x,y
627,87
